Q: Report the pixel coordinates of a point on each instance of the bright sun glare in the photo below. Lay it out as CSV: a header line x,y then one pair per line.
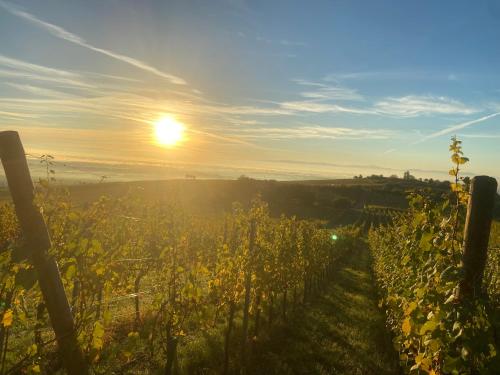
x,y
168,131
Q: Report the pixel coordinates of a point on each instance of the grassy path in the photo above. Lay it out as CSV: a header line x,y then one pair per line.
x,y
341,332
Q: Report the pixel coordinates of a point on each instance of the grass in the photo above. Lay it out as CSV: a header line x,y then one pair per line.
x,y
342,332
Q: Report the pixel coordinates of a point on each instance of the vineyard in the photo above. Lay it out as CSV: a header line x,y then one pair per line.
x,y
155,288
159,283
438,325
377,216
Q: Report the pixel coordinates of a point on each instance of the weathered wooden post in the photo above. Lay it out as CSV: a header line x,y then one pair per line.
x,y
38,243
483,191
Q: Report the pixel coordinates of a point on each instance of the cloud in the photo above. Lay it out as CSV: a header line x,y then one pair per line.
x,y
61,33
39,91
16,116
480,135
24,70
390,75
334,77
314,132
283,42
322,91
322,97
317,107
413,105
25,66
456,127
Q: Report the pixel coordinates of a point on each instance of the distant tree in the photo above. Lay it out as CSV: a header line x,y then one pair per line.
x,y
407,176
244,178
466,181
394,176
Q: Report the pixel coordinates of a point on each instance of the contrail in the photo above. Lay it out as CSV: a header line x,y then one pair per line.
x,y
456,127
61,33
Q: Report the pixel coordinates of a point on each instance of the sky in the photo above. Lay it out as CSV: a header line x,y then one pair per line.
x,y
270,89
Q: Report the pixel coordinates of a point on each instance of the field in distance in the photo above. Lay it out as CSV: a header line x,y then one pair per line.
x,y
336,201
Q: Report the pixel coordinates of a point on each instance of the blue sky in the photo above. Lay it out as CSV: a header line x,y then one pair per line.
x,y
270,88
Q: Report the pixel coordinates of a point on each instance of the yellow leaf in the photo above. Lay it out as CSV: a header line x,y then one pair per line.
x,y
32,350
98,336
420,292
411,306
493,352
430,325
405,260
425,364
7,318
36,369
406,327
127,355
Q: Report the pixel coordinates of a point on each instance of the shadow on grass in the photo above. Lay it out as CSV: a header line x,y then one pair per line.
x,y
341,332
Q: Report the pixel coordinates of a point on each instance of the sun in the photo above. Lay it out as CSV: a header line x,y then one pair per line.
x,y
168,131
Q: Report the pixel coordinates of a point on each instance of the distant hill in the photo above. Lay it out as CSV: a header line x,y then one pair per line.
x,y
335,201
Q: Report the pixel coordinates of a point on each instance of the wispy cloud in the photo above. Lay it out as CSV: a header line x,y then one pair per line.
x,y
16,116
479,136
61,33
283,42
390,76
20,69
314,132
456,127
29,67
323,91
412,105
321,97
317,107
373,75
39,91
286,42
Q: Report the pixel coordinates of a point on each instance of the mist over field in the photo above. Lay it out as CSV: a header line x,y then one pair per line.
x,y
74,171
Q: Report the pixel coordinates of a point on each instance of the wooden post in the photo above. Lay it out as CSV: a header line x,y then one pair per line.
x,y
483,191
38,243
